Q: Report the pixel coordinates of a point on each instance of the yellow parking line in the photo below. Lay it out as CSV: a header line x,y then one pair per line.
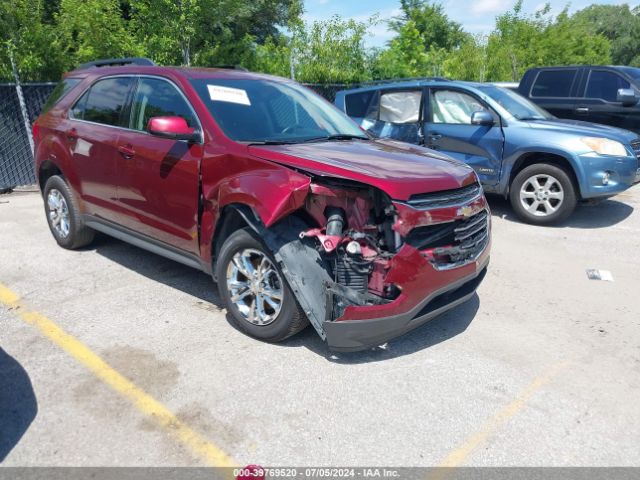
x,y
145,403
457,456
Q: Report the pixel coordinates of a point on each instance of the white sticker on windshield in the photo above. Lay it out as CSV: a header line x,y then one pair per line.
x,y
227,94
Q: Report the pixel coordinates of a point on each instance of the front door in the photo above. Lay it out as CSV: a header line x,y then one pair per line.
x,y
159,185
448,129
600,103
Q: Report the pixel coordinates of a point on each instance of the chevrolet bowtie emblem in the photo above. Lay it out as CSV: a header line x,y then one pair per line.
x,y
466,211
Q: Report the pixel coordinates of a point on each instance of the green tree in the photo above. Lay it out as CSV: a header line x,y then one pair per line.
x,y
621,25
31,41
92,29
208,32
522,41
332,51
425,35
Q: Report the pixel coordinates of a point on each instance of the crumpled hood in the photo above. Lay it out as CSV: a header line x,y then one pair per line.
x,y
396,168
585,129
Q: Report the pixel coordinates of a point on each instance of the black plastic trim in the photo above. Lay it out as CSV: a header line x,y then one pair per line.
x,y
146,243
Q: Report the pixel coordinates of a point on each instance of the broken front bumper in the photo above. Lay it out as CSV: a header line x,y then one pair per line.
x,y
364,327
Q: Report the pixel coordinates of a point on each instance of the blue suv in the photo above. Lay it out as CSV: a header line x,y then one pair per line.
x,y
543,164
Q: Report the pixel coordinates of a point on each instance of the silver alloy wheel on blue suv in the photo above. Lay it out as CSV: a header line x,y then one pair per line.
x,y
542,193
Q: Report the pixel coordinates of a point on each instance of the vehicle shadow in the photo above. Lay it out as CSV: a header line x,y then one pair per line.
x,y
200,285
18,405
438,330
158,268
601,215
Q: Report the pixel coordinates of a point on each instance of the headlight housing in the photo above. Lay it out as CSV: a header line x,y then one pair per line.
x,y
605,146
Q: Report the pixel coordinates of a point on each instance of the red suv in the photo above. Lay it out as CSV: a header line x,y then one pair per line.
x,y
298,214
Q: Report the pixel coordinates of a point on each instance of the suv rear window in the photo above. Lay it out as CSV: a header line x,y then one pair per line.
x,y
554,83
60,91
104,101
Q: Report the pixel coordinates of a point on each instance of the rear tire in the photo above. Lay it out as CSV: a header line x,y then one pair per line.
x,y
543,194
254,290
63,215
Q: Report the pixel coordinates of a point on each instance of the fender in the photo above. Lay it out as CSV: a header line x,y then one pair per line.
x,y
509,162
51,149
299,261
271,191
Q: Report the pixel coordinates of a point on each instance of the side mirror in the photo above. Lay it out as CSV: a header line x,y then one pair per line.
x,y
483,118
627,97
175,128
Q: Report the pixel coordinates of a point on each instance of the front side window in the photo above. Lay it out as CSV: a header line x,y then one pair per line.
x,y
454,107
554,83
262,110
400,107
158,98
104,102
605,85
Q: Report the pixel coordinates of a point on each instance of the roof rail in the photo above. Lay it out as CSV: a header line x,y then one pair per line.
x,y
110,62
231,67
407,79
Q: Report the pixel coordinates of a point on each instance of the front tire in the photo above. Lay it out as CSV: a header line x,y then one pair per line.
x,y
63,215
254,290
542,194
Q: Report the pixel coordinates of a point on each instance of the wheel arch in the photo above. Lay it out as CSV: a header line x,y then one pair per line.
x,y
238,215
47,169
527,159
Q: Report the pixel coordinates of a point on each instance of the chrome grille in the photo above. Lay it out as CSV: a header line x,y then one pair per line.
x,y
446,198
455,243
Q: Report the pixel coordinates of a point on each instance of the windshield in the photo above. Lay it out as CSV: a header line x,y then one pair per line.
x,y
632,72
267,111
518,106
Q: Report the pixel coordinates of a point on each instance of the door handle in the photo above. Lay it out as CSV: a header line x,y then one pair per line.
x,y
582,110
434,137
126,151
72,135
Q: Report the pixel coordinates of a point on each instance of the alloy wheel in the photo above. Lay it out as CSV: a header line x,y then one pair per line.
x,y
541,195
58,213
255,286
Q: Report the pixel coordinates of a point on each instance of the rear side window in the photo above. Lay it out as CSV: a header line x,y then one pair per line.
x,y
605,85
400,107
554,83
104,102
158,98
362,105
60,91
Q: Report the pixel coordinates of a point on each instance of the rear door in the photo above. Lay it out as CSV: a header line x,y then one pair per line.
x,y
159,184
91,133
555,91
600,103
448,128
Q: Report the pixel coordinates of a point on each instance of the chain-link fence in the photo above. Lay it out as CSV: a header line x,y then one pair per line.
x,y
16,158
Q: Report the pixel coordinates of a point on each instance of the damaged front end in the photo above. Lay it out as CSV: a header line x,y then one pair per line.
x,y
374,268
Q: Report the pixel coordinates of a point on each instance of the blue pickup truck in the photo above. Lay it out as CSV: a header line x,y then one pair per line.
x,y
543,164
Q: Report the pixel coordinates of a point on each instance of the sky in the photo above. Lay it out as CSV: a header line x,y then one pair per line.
x,y
476,16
